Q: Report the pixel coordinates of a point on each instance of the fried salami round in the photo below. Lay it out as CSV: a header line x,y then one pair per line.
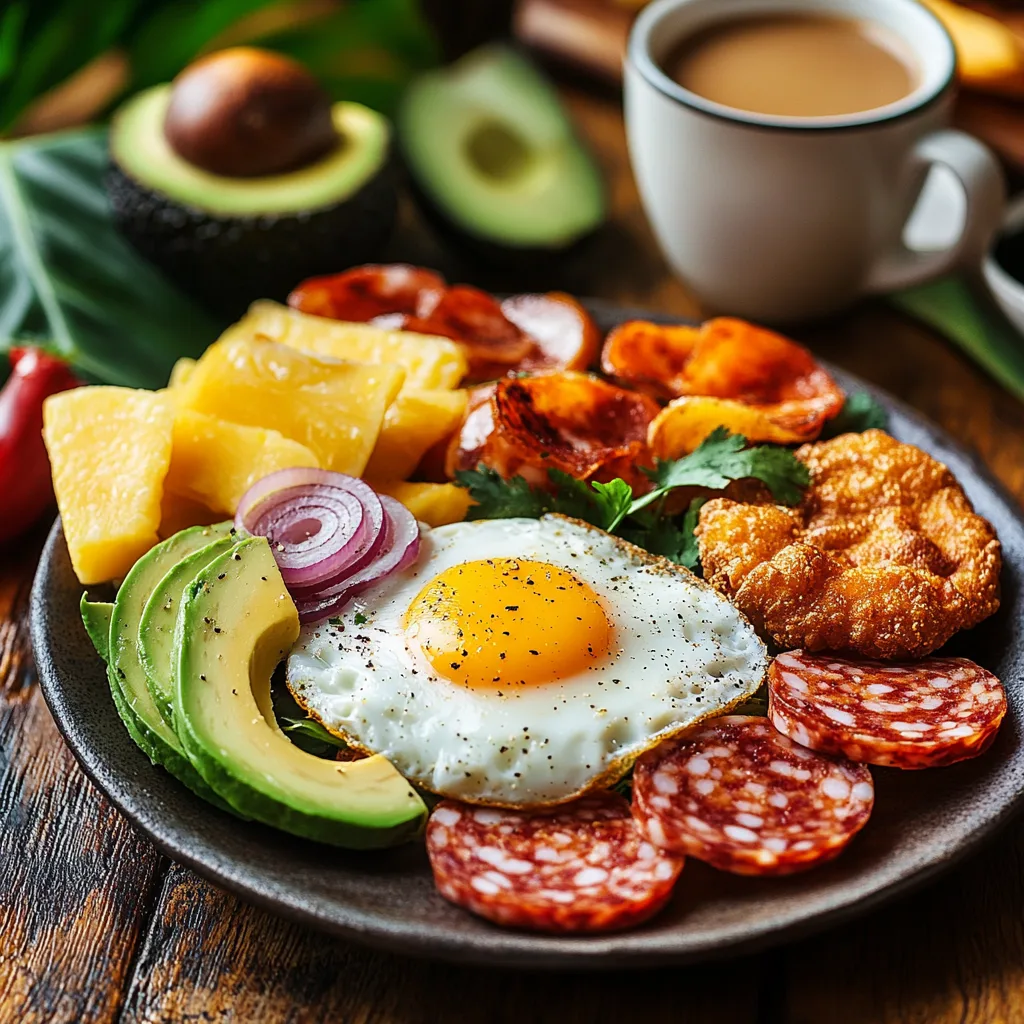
x,y
744,798
365,293
921,714
580,867
523,333
570,422
725,373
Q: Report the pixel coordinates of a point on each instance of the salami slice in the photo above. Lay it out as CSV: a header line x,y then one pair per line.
x,y
581,867
920,714
742,797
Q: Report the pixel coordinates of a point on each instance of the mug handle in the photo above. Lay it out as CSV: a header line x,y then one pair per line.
x,y
982,181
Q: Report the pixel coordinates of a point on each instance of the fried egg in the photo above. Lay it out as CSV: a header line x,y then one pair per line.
x,y
522,662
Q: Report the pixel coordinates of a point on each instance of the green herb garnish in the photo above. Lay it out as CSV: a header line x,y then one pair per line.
x,y
721,458
312,737
861,412
359,618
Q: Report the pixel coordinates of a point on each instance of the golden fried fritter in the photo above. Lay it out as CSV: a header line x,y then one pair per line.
x,y
883,557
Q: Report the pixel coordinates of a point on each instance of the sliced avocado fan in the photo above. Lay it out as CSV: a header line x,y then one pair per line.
x,y
157,650
128,681
96,618
236,624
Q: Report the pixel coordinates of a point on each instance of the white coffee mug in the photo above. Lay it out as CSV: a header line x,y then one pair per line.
x,y
780,218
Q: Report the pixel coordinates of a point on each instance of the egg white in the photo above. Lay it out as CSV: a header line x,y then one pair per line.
x,y
680,653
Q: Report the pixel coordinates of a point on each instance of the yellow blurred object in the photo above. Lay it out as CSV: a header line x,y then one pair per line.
x,y
334,409
681,426
215,462
179,513
433,504
416,421
428,361
989,57
180,372
109,451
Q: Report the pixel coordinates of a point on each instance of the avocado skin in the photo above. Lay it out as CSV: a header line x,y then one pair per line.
x,y
537,267
227,262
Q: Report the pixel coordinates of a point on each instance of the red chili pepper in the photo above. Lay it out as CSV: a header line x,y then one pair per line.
x,y
26,490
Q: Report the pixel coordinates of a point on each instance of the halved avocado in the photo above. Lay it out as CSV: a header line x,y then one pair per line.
x,y
230,240
495,160
157,648
236,624
128,682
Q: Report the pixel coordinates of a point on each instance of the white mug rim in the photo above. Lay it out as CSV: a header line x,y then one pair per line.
x,y
638,54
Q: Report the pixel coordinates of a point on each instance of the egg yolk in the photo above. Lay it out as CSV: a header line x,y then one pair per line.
x,y
508,621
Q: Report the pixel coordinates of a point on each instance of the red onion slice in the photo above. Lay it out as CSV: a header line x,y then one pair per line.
x,y
322,526
400,549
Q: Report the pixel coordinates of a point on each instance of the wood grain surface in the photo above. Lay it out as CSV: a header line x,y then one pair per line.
x,y
95,926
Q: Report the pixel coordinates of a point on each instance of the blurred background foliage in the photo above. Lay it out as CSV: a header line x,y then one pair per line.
x,y
58,54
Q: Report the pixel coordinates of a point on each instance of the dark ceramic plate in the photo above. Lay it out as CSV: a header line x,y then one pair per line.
x,y
923,821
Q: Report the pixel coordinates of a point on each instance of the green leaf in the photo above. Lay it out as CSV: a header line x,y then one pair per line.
x,y
616,499
367,51
669,536
755,704
312,737
53,41
68,280
497,498
359,619
175,34
721,458
860,412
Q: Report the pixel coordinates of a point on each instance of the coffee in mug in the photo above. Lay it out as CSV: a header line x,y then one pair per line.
x,y
800,65
785,212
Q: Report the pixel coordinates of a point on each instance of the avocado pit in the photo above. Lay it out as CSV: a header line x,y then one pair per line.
x,y
245,112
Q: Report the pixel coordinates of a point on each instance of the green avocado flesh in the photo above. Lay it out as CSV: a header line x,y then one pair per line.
x,y
236,624
487,142
157,650
128,681
96,617
139,147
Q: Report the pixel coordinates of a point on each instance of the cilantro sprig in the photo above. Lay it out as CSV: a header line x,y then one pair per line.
x,y
861,411
720,459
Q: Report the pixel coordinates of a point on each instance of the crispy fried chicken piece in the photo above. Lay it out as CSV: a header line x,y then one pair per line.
x,y
884,556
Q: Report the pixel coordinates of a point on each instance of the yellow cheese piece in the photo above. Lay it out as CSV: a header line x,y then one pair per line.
x,y
109,452
428,361
215,462
180,372
415,422
334,409
433,504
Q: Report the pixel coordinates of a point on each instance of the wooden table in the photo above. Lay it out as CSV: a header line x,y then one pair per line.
x,y
95,925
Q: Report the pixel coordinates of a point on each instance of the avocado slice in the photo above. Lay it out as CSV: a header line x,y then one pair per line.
x,y
157,650
495,159
96,618
129,685
227,240
236,623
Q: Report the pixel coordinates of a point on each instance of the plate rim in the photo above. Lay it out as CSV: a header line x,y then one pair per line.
x,y
503,947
